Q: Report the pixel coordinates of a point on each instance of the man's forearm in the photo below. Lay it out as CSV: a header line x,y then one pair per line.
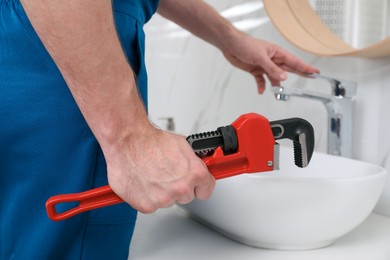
x,y
81,38
200,19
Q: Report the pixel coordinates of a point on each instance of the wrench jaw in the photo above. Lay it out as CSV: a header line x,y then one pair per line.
x,y
301,157
301,133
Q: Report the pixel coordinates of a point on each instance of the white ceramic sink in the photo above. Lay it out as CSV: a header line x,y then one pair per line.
x,y
293,208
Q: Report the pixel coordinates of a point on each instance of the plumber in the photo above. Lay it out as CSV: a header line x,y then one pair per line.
x,y
73,98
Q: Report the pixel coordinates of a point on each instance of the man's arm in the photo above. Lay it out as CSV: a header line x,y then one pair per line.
x,y
255,56
81,38
147,167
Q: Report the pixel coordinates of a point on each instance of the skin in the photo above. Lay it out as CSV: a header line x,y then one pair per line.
x,y
82,40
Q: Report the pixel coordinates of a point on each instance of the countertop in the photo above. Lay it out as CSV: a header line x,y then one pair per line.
x,y
169,234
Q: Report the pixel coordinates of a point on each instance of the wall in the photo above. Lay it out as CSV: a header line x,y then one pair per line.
x,y
191,81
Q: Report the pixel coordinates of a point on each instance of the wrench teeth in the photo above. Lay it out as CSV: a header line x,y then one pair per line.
x,y
298,155
204,144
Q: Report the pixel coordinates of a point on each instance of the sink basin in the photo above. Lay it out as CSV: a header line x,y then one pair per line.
x,y
293,208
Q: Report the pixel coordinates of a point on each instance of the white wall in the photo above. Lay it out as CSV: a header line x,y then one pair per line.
x,y
190,81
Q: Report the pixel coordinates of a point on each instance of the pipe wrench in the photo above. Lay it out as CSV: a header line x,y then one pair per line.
x,y
248,145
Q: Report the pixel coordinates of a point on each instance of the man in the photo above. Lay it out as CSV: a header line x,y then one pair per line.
x,y
72,111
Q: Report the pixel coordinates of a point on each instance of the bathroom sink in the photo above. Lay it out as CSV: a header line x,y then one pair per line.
x,y
293,208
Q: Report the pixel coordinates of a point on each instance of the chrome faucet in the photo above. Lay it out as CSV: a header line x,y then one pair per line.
x,y
340,105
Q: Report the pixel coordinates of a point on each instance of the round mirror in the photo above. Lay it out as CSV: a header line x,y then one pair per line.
x,y
334,27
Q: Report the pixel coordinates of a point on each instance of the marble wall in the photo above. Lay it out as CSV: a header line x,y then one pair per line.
x,y
191,82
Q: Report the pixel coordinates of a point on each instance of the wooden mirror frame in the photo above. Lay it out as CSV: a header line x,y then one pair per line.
x,y
298,23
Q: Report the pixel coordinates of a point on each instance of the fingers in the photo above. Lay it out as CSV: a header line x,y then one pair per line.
x,y
273,71
292,64
277,63
200,185
274,82
203,180
298,72
261,57
204,191
260,81
260,84
286,62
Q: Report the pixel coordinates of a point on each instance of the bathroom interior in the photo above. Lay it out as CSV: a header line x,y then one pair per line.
x,y
336,208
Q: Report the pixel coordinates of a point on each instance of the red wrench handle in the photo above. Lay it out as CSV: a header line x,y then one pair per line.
x,y
87,200
255,150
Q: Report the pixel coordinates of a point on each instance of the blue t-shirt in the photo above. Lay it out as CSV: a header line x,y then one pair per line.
x,y
141,11
47,148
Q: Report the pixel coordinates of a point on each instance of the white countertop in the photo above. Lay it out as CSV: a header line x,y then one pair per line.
x,y
169,234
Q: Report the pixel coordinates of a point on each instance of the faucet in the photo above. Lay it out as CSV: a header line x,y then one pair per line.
x,y
340,106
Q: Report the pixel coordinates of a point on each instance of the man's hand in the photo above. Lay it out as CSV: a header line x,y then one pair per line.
x,y
261,58
155,169
255,56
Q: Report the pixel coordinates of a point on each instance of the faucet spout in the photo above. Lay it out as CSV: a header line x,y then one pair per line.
x,y
340,106
283,94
